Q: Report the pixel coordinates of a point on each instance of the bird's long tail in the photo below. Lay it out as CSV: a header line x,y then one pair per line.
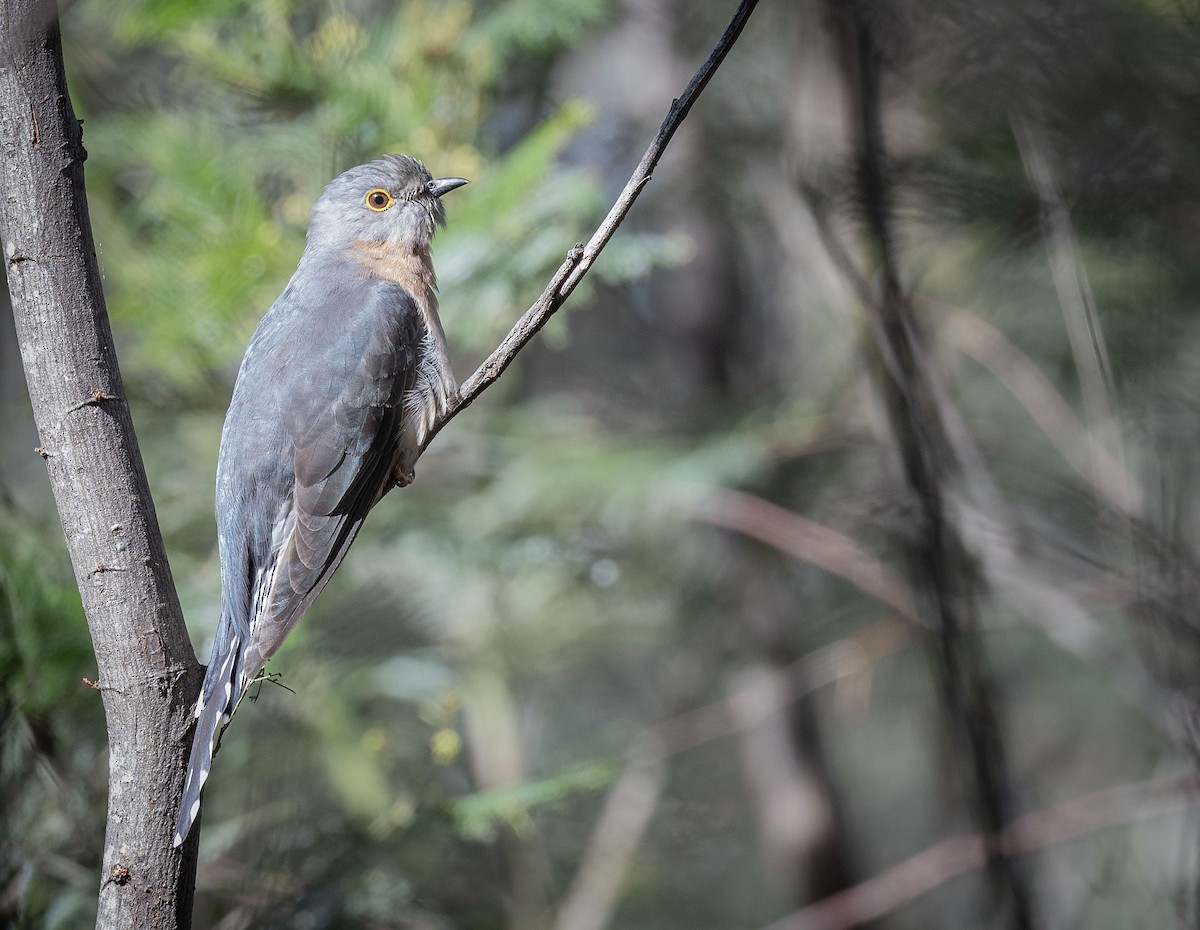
x,y
213,710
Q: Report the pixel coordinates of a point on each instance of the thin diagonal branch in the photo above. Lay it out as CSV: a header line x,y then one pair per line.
x,y
580,258
809,541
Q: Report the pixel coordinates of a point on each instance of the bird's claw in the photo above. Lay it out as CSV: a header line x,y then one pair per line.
x,y
403,478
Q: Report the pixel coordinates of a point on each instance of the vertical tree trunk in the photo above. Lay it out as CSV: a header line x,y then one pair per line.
x,y
147,671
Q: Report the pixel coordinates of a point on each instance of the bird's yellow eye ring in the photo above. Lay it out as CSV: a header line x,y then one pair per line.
x,y
379,200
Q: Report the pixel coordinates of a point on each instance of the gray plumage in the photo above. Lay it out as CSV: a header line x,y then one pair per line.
x,y
338,389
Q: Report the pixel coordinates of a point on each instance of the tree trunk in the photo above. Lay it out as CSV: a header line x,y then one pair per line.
x,y
148,673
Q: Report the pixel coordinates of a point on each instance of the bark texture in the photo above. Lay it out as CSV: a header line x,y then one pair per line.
x,y
147,670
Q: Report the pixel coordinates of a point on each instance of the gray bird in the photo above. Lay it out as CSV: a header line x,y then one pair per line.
x,y
339,388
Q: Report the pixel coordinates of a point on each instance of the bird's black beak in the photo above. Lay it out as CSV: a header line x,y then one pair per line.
x,y
439,186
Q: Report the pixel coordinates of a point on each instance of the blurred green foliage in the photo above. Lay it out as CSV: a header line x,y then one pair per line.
x,y
480,673
246,110
52,763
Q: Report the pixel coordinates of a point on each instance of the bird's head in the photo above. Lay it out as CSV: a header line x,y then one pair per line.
x,y
392,201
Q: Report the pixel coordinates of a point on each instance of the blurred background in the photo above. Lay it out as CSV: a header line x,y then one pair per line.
x,y
846,513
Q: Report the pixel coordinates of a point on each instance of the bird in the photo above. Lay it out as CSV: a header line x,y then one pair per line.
x,y
341,385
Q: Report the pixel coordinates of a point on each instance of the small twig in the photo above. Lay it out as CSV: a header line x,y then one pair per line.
x,y
101,568
580,258
268,678
95,399
96,686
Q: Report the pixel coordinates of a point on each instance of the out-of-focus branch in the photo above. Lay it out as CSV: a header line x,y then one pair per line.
x,y
795,813
1078,308
581,257
1057,612
944,577
987,528
808,541
832,664
633,799
985,525
1164,563
975,337
919,874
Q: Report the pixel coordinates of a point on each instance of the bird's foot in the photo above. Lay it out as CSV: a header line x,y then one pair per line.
x,y
403,478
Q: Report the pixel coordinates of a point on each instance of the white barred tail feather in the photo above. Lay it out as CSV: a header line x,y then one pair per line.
x,y
213,710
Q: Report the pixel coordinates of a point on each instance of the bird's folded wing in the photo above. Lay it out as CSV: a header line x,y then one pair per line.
x,y
346,426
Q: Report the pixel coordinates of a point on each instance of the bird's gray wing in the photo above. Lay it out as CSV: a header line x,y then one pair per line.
x,y
344,414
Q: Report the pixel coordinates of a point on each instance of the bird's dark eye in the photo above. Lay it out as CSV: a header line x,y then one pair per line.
x,y
379,199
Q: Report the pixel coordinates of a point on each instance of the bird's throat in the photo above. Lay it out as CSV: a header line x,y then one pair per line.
x,y
411,268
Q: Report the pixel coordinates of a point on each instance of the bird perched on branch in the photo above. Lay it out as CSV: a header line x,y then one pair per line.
x,y
342,382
